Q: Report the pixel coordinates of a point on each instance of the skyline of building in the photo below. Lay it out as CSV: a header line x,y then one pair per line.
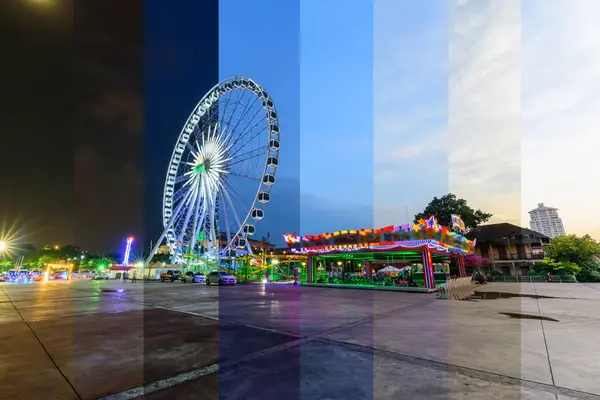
x,y
546,221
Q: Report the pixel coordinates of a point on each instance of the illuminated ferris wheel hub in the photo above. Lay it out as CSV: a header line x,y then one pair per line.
x,y
221,172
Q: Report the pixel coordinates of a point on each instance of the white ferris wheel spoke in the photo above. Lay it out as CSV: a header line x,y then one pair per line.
x,y
222,151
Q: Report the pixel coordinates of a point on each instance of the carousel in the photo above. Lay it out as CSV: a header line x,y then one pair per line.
x,y
424,252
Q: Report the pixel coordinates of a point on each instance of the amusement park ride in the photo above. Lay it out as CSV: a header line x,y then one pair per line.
x,y
220,175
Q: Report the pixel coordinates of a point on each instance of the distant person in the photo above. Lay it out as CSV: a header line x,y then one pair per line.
x,y
549,277
295,273
267,273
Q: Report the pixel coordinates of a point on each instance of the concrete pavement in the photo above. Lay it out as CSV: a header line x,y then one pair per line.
x,y
91,340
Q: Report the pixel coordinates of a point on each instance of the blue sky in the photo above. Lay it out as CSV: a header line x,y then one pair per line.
x,y
410,105
385,104
318,60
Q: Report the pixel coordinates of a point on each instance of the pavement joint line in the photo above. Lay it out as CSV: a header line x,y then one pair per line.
x,y
321,337
466,371
545,341
42,346
404,307
170,382
204,316
231,321
163,383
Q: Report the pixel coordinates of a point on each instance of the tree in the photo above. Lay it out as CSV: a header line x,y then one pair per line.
x,y
449,204
477,263
557,267
45,259
5,265
578,250
583,252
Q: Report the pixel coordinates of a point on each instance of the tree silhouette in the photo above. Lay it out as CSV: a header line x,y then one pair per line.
x,y
449,204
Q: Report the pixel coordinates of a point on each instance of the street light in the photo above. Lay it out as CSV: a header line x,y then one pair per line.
x,y
3,246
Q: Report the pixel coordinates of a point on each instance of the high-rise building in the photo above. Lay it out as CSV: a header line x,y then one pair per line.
x,y
546,221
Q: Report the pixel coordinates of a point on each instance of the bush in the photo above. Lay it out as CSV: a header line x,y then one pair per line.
x,y
589,273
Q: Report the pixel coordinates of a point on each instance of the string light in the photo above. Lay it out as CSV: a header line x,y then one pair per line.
x,y
420,234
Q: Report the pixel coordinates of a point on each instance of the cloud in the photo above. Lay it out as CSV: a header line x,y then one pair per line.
x,y
561,123
410,108
484,106
523,113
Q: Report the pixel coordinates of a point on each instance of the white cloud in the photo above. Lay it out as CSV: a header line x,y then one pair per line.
x,y
561,118
484,106
524,117
409,108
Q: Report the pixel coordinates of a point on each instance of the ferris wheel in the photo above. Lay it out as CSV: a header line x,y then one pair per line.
x,y
221,172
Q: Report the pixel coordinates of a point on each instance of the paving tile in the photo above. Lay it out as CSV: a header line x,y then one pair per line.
x,y
107,353
323,371
26,371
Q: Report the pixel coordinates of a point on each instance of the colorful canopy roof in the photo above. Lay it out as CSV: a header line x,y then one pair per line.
x,y
424,233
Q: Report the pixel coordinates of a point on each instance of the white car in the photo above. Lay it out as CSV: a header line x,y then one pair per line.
x,y
196,277
220,278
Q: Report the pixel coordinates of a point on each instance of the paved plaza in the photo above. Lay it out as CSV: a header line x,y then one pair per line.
x,y
105,339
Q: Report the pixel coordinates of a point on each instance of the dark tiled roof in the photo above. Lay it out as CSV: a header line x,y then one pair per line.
x,y
502,230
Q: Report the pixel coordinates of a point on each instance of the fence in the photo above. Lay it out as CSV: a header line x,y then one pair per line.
x,y
534,279
456,289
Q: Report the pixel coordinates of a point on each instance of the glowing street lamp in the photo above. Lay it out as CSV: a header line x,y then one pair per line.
x,y
3,246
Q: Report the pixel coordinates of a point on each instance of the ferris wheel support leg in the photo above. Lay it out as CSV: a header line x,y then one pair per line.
x,y
196,222
155,248
227,231
185,224
169,226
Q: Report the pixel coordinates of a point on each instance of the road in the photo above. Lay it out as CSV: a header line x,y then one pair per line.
x,y
111,340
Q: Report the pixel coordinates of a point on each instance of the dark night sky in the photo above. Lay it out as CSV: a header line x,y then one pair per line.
x,y
88,93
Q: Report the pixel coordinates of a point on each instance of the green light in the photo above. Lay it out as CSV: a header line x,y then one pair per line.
x,y
199,168
101,267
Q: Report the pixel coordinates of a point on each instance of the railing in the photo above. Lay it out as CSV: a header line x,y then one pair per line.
x,y
516,257
535,279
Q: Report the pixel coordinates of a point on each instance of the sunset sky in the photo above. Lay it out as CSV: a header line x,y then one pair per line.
x,y
398,102
382,106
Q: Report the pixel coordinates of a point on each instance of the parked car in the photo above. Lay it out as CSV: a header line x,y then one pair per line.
x,y
220,278
171,275
195,277
187,277
199,277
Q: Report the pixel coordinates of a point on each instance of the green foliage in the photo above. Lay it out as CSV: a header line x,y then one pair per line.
x,y
449,204
583,252
578,250
100,263
5,265
589,273
557,267
45,259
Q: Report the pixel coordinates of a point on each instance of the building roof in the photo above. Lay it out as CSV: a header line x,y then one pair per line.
x,y
491,232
